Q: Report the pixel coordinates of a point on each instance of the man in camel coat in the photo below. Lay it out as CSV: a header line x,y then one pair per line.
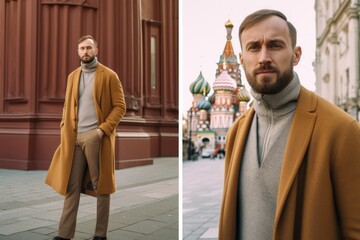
x,y
292,167
85,160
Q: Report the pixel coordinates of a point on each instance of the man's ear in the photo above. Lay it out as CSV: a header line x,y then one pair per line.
x,y
240,58
297,55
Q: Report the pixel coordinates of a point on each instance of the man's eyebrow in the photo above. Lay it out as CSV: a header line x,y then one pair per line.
x,y
252,43
277,40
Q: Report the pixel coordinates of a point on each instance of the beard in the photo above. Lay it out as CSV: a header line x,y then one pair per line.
x,y
265,85
87,58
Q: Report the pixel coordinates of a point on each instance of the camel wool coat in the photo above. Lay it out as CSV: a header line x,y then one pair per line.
x,y
319,188
110,108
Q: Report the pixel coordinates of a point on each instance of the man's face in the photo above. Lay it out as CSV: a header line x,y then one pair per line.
x,y
87,51
268,56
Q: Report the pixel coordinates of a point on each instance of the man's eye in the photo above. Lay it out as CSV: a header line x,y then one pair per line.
x,y
253,47
274,45
87,48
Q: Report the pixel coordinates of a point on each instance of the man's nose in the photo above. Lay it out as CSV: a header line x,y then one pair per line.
x,y
264,56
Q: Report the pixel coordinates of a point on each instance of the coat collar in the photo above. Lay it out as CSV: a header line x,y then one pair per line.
x,y
299,137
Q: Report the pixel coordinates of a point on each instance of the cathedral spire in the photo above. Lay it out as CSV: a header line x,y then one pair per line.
x,y
229,27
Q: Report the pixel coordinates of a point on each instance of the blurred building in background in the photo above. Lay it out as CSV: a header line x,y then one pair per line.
x,y
38,49
210,117
337,63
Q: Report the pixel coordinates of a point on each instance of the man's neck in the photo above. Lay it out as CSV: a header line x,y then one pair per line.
x,y
89,67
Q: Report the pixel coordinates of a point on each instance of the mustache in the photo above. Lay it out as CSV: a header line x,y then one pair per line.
x,y
265,68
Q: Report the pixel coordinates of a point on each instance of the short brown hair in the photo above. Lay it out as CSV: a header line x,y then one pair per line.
x,y
83,38
260,15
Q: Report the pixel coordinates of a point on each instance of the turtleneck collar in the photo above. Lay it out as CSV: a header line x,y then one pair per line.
x,y
282,102
89,67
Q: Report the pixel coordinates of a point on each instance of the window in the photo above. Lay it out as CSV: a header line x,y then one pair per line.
x,y
152,67
153,61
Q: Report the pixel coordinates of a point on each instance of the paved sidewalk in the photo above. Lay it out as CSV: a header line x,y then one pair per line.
x,y
202,194
144,207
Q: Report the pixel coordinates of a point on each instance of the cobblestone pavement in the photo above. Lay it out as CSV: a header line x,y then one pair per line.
x,y
202,193
144,207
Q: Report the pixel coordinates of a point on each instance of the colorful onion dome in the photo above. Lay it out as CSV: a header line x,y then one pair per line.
x,y
204,105
200,86
224,82
243,95
211,99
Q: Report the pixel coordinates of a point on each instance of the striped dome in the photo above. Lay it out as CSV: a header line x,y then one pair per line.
x,y
204,105
243,95
224,82
199,86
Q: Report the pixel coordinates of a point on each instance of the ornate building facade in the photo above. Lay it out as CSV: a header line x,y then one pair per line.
x,y
38,41
211,116
337,64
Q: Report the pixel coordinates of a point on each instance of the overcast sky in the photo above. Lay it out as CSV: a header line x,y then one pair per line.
x,y
203,37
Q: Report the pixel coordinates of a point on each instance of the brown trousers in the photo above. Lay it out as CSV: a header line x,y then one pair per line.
x,y
86,153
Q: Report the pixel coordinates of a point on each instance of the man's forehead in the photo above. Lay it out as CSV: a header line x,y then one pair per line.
x,y
271,28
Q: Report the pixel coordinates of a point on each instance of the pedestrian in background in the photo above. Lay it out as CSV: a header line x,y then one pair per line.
x,y
292,165
85,160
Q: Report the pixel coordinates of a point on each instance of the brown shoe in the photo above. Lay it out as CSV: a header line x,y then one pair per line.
x,y
60,238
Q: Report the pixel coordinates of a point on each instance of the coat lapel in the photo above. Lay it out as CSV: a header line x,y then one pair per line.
x,y
76,81
239,144
298,141
98,83
235,147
